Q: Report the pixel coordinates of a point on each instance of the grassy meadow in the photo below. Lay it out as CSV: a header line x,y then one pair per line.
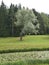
x,y
28,43
20,48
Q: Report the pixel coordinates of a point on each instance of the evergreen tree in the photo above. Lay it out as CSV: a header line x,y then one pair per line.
x,y
46,22
15,8
11,18
3,20
19,6
41,22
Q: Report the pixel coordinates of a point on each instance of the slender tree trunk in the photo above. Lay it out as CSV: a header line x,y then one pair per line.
x,y
12,28
20,38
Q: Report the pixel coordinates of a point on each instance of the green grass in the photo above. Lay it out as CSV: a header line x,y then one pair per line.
x,y
26,62
25,58
28,43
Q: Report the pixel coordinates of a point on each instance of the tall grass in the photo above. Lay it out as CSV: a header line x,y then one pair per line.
x,y
28,62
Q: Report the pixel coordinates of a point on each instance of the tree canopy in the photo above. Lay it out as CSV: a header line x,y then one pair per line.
x,y
27,22
17,20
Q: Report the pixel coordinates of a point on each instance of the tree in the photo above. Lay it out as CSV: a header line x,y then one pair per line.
x,y
19,6
3,20
41,22
15,8
46,22
26,21
11,18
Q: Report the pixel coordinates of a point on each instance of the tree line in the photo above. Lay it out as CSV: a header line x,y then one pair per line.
x,y
18,21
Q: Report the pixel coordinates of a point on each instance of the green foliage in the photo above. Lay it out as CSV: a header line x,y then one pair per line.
x,y
3,20
46,22
41,22
11,20
16,21
26,20
19,6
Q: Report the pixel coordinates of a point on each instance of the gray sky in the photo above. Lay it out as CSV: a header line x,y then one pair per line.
x,y
39,5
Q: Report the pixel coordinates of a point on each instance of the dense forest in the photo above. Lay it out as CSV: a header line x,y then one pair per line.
x,y
17,20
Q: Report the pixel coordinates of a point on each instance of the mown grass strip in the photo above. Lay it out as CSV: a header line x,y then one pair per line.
x,y
29,43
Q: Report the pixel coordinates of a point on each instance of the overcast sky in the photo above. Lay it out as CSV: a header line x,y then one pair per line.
x,y
39,5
